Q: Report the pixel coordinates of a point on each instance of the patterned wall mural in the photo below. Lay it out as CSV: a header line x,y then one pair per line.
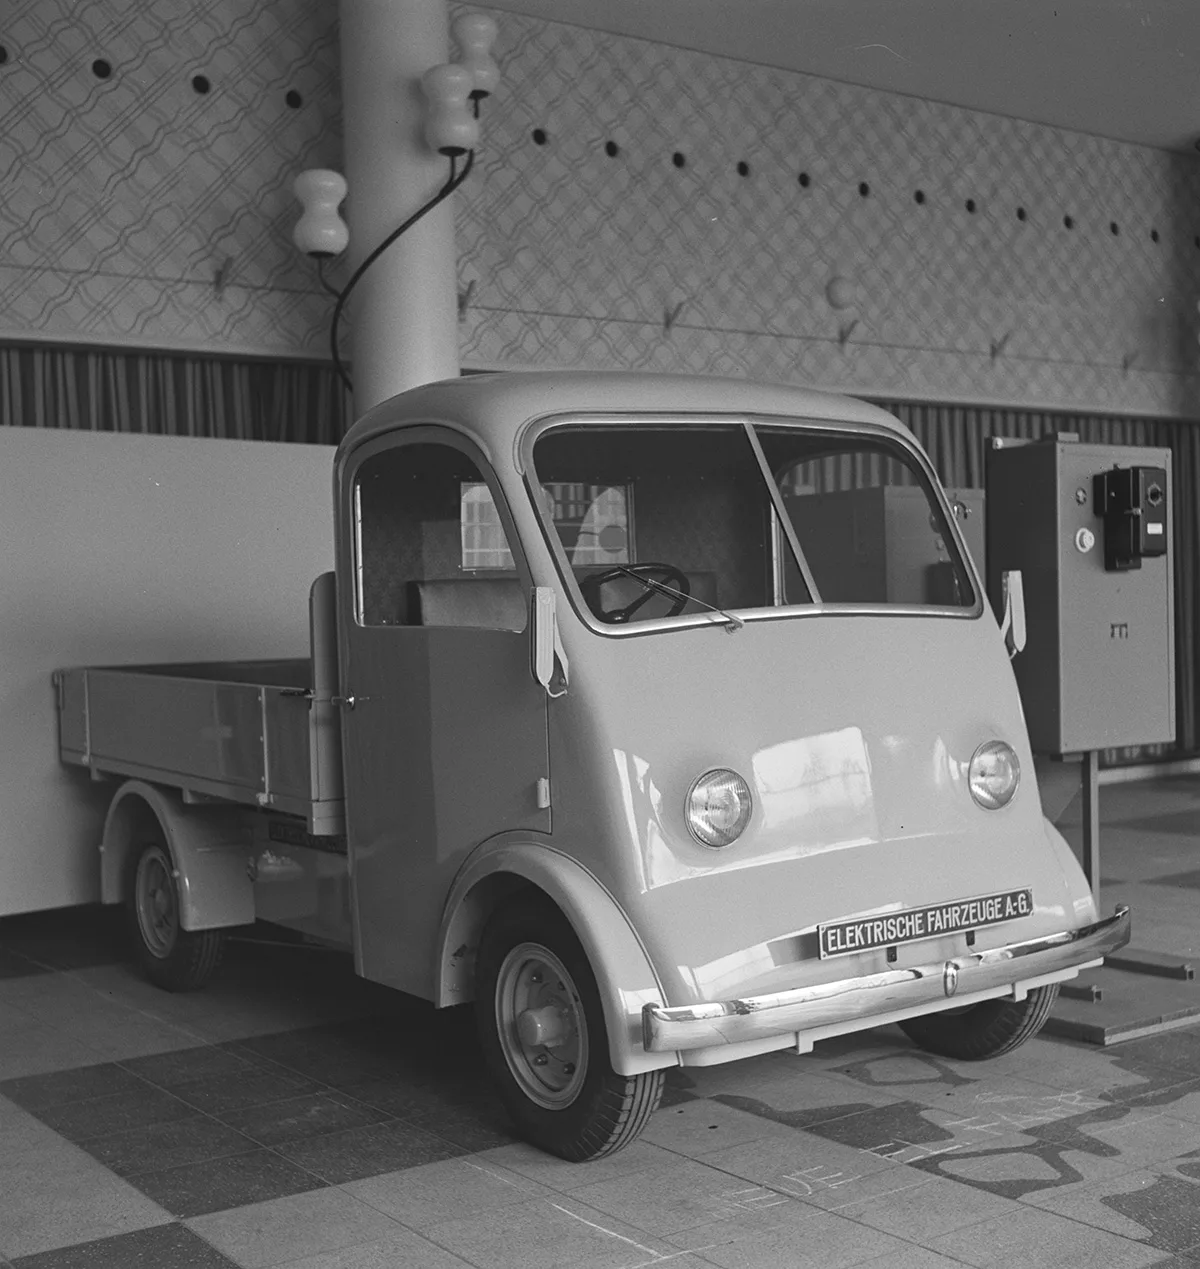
x,y
634,205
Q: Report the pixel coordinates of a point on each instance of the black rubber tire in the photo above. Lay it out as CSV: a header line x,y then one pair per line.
x,y
610,1110
183,960
985,1030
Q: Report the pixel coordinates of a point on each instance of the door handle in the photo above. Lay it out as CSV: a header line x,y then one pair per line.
x,y
349,701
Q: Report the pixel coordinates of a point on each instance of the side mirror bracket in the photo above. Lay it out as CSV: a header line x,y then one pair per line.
x,y
549,659
1012,627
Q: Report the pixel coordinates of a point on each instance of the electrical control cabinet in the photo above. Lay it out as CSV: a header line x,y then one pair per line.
x,y
1089,526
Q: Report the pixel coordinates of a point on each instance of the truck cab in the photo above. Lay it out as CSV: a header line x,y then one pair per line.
x,y
664,719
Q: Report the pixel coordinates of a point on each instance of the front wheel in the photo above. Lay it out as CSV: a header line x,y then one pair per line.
x,y
985,1030
171,957
542,1029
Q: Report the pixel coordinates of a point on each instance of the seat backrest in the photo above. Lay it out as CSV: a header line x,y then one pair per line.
x,y
491,603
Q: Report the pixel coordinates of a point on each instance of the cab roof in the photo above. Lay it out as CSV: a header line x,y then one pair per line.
x,y
494,406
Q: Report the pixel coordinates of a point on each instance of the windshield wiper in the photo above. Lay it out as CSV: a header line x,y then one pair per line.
x,y
731,622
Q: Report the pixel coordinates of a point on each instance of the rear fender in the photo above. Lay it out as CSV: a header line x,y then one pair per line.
x,y
495,874
209,845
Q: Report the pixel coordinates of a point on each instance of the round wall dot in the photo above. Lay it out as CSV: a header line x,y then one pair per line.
x,y
1022,214
612,149
804,179
743,168
200,83
1153,235
293,99
678,159
918,196
864,190
101,69
1114,228
1068,222
539,136
970,206
3,55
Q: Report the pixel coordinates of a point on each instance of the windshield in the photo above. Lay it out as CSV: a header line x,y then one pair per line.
x,y
705,520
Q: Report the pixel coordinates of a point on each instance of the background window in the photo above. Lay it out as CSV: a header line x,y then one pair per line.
x,y
580,512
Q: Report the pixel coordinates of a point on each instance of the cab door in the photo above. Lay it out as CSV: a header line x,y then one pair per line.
x,y
444,727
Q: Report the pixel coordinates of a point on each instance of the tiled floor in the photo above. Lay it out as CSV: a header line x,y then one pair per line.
x,y
291,1115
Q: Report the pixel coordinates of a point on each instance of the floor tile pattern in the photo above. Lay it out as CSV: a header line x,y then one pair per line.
x,y
293,1116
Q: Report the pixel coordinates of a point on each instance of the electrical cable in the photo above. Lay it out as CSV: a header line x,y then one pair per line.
x,y
453,182
324,281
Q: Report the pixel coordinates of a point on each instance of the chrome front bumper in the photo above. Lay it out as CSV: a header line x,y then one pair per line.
x,y
721,1022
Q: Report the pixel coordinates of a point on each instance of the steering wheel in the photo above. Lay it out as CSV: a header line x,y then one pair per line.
x,y
669,575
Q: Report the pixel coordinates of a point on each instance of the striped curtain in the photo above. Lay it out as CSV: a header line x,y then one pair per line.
x,y
956,437
105,390
192,395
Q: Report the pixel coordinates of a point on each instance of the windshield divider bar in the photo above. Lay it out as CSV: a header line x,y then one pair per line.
x,y
785,521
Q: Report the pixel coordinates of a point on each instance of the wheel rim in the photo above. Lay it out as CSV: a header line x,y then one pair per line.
x,y
155,903
541,1026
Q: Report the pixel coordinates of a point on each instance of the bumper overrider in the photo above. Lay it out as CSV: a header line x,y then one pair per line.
x,y
801,1009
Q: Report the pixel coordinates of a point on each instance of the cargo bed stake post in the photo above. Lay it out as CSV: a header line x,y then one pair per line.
x,y
264,797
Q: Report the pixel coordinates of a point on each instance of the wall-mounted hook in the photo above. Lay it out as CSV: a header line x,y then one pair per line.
x,y
671,316
1127,361
998,346
845,330
221,276
841,291
464,300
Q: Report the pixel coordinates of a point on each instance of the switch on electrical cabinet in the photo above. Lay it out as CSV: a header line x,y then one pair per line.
x,y
1089,526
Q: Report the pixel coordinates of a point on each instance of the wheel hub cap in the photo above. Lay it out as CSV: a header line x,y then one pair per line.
x,y
550,1026
157,913
541,1026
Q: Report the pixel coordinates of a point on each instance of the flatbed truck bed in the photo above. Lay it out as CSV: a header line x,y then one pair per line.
x,y
256,733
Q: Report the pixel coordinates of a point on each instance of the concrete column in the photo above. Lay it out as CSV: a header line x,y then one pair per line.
x,y
403,315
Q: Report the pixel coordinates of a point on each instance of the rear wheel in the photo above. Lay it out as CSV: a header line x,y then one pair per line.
x,y
984,1030
171,957
542,1029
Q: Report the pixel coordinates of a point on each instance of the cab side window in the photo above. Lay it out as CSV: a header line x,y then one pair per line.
x,y
430,546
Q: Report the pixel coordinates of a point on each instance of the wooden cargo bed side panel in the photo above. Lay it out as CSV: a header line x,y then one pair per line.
x,y
184,729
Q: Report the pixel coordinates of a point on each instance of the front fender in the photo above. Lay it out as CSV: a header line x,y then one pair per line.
x,y
624,974
1083,901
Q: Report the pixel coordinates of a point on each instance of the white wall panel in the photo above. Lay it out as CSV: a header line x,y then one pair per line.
x,y
118,549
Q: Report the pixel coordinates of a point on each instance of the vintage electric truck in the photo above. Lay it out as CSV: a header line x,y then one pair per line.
x,y
600,731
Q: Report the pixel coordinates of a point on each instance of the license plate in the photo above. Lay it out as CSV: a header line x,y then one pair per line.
x,y
841,938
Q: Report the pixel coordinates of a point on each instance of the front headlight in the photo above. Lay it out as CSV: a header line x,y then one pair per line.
x,y
994,774
717,807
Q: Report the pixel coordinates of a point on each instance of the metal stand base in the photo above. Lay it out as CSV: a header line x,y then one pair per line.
x,y
1161,964
1109,1005
1091,821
